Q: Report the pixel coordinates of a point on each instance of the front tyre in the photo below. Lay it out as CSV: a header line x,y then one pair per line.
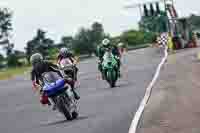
x,y
112,78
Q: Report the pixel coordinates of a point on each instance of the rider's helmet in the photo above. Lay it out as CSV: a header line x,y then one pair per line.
x,y
120,45
64,52
106,42
36,58
168,3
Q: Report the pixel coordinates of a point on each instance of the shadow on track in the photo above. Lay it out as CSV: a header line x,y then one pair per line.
x,y
118,86
63,121
124,85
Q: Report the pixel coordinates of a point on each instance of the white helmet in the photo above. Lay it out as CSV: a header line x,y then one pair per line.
x,y
169,3
35,58
105,42
64,51
120,44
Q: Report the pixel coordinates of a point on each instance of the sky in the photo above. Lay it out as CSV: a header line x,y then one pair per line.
x,y
65,17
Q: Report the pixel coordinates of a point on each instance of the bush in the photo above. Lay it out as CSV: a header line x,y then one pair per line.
x,y
52,53
134,37
12,61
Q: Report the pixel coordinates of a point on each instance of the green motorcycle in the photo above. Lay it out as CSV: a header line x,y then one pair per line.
x,y
110,68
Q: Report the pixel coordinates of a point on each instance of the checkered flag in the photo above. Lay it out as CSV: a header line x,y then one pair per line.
x,y
162,39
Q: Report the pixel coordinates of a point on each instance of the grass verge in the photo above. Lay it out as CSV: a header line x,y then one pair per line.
x,y
11,72
138,46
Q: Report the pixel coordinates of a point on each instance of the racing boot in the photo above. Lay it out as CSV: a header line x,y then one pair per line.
x,y
119,73
54,107
103,74
76,96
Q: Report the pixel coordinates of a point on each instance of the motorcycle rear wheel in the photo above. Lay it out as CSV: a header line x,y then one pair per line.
x,y
75,115
111,75
63,109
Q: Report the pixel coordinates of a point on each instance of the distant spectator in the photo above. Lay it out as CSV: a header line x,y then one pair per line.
x,y
194,39
121,47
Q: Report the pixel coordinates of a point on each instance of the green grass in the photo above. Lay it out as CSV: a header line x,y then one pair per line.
x,y
11,72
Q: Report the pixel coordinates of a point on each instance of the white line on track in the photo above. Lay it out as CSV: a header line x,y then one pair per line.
x,y
144,102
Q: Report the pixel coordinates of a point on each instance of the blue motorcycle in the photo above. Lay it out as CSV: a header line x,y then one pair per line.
x,y
61,94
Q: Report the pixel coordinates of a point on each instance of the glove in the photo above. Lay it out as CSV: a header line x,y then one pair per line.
x,y
100,60
35,86
44,99
117,57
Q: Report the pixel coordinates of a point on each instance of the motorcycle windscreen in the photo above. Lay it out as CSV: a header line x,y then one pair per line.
x,y
65,63
109,60
53,83
108,56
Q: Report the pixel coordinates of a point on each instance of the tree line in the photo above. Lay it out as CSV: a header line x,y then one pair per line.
x,y
85,41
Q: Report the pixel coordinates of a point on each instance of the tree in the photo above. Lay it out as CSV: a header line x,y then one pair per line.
x,y
40,43
82,43
87,40
8,48
19,54
12,60
15,58
30,49
134,37
97,33
5,24
53,53
5,29
66,41
1,58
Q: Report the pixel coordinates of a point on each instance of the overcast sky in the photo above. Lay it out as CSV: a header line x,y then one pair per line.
x,y
65,17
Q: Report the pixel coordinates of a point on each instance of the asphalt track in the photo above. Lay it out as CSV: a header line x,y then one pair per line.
x,y
102,109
